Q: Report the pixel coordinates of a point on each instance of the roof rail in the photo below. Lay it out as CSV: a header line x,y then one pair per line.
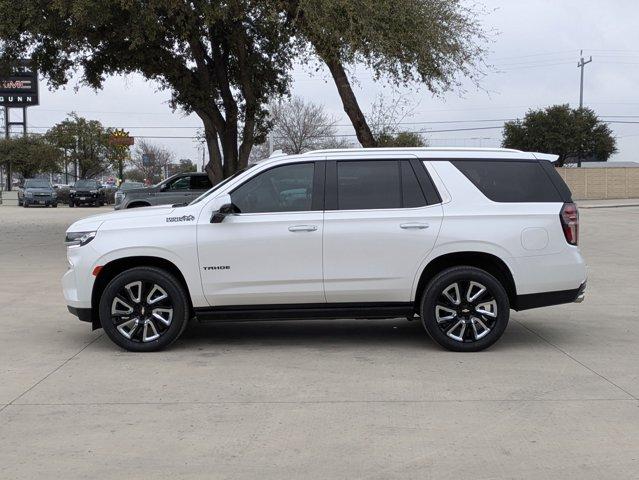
x,y
413,149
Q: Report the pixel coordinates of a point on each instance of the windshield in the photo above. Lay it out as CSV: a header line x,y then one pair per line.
x,y
86,184
35,183
220,185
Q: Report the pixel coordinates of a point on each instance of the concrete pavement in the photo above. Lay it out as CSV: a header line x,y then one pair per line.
x,y
557,397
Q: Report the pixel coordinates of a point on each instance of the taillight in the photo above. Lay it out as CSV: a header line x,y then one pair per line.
x,y
569,217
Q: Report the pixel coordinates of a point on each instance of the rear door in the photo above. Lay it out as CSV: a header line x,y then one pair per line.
x,y
382,218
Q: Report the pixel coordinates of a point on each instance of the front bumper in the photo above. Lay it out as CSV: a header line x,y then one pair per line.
x,y
40,201
78,200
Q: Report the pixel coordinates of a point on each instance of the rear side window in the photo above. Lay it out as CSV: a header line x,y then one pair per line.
x,y
412,194
368,185
510,181
200,182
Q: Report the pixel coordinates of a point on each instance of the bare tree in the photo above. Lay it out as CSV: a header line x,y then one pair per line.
x,y
386,118
300,126
157,160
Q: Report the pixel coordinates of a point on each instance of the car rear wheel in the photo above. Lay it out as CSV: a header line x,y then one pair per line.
x,y
465,309
144,309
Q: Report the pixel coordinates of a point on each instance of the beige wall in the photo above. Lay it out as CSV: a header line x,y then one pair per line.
x,y
601,183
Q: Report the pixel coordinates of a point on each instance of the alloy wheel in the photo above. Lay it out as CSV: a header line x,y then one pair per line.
x,y
466,311
142,311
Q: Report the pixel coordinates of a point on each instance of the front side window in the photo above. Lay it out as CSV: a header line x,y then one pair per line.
x,y
182,183
288,188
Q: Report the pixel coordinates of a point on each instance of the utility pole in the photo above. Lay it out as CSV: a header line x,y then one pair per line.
x,y
582,63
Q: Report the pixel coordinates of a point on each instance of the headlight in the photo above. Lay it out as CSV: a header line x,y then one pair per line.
x,y
53,195
78,238
28,194
94,191
72,191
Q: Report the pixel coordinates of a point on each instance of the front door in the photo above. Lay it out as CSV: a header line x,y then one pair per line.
x,y
271,252
381,221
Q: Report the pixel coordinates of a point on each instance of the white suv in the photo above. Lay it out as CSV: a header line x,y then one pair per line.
x,y
457,237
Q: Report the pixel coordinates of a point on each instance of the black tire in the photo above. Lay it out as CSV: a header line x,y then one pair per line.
x,y
122,323
70,204
54,205
451,317
25,205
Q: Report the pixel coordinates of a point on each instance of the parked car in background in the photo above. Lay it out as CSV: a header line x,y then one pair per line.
x,y
87,192
178,189
124,187
37,191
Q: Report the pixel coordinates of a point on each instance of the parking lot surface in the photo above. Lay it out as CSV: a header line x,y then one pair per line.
x,y
556,397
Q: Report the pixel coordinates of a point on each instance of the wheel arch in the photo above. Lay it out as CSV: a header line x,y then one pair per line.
x,y
110,270
486,261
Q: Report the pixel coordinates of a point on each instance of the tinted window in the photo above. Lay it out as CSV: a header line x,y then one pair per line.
x,y
86,184
200,182
368,185
412,194
510,181
34,183
288,188
182,183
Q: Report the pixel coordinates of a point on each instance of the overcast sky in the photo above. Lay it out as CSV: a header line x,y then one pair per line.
x,y
535,54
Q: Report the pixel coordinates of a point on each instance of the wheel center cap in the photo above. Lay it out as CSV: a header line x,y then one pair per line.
x,y
142,310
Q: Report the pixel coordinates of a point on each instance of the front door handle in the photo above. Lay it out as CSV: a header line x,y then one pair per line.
x,y
302,228
414,226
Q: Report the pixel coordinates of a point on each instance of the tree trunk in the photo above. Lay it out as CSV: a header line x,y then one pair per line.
x,y
351,107
214,166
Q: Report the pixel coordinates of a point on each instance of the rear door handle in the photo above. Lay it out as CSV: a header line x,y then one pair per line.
x,y
414,226
302,228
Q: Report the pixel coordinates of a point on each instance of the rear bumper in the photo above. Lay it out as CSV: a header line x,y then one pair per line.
x,y
83,314
547,299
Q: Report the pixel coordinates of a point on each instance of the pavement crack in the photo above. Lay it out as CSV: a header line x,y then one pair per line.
x,y
50,373
557,347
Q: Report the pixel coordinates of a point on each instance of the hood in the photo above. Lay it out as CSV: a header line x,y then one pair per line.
x,y
93,222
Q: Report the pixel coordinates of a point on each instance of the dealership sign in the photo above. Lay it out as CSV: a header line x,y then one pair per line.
x,y
20,89
120,138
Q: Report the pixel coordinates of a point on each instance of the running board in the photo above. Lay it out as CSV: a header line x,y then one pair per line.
x,y
306,311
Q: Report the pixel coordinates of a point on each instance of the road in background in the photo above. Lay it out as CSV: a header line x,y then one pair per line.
x,y
556,397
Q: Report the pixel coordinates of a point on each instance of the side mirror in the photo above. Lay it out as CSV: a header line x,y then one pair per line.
x,y
223,212
163,187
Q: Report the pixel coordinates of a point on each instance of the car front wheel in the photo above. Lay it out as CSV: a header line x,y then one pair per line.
x,y
144,309
465,309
